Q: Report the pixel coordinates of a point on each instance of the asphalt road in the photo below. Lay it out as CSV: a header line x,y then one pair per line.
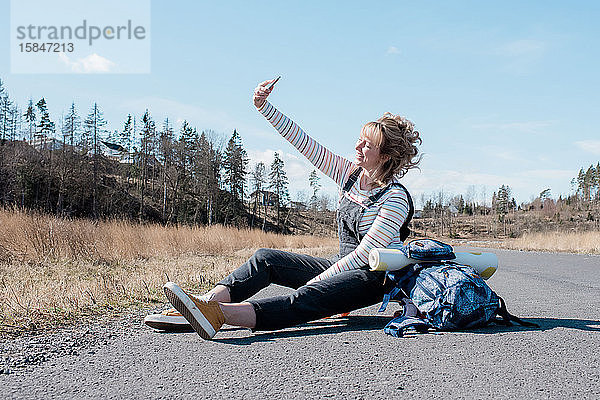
x,y
352,357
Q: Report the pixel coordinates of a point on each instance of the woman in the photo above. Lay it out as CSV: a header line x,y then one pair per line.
x,y
374,211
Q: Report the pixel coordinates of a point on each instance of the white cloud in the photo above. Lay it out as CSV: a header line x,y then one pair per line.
x,y
591,146
88,65
393,50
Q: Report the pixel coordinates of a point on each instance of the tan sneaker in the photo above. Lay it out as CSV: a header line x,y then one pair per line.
x,y
169,320
206,317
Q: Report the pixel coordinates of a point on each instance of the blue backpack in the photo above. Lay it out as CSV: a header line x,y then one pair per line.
x,y
448,296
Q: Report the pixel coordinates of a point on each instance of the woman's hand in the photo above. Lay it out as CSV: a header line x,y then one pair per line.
x,y
262,92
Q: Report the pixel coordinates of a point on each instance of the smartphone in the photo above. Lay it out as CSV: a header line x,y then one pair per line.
x,y
274,82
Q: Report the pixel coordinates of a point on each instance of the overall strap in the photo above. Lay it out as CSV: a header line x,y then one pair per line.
x,y
373,199
404,229
352,179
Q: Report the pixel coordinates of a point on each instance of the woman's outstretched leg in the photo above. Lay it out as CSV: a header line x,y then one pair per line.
x,y
341,293
346,291
268,266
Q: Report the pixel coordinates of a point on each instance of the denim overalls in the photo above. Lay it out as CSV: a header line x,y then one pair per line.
x,y
350,214
346,291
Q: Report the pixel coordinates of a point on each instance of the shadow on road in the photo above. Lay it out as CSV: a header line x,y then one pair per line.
x,y
545,324
320,327
363,323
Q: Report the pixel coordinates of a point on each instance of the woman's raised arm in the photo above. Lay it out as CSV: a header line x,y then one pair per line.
x,y
334,166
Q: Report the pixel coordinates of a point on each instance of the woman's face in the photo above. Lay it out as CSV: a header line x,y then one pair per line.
x,y
367,153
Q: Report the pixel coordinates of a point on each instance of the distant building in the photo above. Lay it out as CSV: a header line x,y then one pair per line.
x,y
43,142
264,198
298,205
113,151
118,153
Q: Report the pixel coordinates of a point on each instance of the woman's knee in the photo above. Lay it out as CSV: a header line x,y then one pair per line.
x,y
264,256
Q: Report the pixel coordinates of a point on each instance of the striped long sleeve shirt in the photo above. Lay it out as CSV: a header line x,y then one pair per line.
x,y
380,223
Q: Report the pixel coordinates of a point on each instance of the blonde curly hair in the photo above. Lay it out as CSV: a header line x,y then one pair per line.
x,y
397,140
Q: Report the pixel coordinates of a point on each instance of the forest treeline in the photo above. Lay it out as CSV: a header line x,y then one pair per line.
x,y
472,215
145,170
153,171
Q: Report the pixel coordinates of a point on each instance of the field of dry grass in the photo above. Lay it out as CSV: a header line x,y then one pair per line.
x,y
524,231
572,242
55,271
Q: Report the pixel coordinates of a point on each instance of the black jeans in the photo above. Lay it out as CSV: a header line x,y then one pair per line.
x,y
343,292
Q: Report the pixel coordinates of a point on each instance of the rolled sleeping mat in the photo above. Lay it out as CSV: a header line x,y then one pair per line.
x,y
485,264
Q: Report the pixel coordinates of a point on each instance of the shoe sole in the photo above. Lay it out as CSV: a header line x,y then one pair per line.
x,y
182,303
168,323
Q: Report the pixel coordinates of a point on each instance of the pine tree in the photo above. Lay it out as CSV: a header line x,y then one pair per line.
x,y
503,204
591,177
313,181
30,119
182,167
581,184
15,122
5,106
278,184
545,194
235,162
165,149
71,124
126,135
258,182
209,164
146,146
597,188
589,182
503,200
125,139
94,127
45,127
69,129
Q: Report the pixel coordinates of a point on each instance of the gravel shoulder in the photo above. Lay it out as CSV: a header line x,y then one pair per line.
x,y
349,357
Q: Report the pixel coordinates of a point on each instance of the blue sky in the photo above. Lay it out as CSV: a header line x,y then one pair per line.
x,y
502,93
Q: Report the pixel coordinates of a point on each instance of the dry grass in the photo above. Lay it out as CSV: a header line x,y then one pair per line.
x,y
572,242
54,271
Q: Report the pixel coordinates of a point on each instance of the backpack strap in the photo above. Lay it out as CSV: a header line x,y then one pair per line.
x,y
507,318
399,325
401,281
389,296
